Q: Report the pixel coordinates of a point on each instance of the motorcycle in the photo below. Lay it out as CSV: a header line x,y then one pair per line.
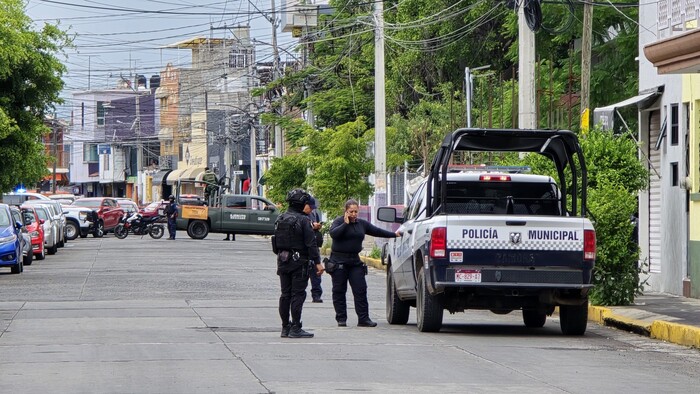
x,y
139,226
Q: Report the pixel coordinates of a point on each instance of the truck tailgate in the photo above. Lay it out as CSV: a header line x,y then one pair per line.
x,y
514,240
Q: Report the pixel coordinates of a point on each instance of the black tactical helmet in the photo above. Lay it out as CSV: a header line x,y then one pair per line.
x,y
171,198
298,197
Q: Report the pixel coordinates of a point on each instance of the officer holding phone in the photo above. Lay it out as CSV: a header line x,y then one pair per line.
x,y
348,233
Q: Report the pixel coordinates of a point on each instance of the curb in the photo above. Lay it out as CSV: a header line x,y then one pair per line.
x,y
376,263
679,334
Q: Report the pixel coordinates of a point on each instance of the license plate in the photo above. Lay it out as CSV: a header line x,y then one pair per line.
x,y
468,276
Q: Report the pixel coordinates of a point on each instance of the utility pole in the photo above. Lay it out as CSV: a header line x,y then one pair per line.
x,y
279,139
253,157
379,110
586,64
55,154
139,154
527,118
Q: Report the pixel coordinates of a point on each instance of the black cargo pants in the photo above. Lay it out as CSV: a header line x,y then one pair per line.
x,y
354,273
293,283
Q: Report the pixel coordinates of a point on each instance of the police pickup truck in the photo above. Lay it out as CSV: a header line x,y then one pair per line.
x,y
494,238
223,213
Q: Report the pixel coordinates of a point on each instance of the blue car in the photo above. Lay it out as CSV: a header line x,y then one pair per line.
x,y
10,246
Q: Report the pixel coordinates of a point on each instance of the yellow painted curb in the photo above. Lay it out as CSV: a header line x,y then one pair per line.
x,y
676,333
598,314
376,263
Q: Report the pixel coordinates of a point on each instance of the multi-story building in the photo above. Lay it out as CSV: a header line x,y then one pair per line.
x,y
197,105
111,129
56,150
670,45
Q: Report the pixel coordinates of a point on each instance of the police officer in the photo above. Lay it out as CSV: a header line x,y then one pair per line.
x,y
209,177
315,217
296,250
171,214
348,232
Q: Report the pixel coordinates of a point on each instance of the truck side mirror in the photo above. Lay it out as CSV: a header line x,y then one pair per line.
x,y
388,214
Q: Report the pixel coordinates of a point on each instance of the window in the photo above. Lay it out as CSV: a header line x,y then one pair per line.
x,y
674,174
180,153
238,58
105,164
163,103
235,202
90,153
100,113
674,124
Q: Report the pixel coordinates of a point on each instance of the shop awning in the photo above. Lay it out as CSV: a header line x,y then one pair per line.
x,y
606,115
174,175
192,173
60,177
160,176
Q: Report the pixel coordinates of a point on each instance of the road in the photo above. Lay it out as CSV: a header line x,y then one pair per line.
x,y
157,316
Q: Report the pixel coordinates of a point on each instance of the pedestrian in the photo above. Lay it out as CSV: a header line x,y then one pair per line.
x,y
295,245
312,210
348,233
246,186
210,187
171,214
230,237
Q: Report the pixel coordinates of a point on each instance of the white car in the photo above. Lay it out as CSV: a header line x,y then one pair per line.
x,y
56,211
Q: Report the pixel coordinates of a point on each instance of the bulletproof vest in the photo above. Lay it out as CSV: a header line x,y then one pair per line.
x,y
288,234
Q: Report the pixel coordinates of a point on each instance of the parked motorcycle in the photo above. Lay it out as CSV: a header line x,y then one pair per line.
x,y
139,225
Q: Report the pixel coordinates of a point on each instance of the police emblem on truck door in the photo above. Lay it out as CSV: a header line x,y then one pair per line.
x,y
515,238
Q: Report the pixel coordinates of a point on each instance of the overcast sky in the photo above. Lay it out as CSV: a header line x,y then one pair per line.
x,y
126,36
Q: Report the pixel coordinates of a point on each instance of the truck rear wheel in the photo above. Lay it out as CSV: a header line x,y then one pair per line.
x,y
573,319
397,311
428,308
534,318
198,229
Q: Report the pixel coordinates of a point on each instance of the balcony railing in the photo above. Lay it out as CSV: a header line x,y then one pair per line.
x,y
677,16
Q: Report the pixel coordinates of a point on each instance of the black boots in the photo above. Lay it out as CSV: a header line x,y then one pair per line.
x,y
285,330
367,323
297,332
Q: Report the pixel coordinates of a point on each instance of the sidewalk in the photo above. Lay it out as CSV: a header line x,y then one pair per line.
x,y
660,316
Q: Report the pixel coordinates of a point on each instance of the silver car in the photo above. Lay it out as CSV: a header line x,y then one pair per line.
x,y
56,211
50,226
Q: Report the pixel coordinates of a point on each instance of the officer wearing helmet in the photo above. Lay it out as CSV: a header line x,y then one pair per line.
x,y
297,254
171,214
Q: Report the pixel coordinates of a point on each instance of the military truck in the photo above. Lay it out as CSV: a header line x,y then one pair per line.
x,y
221,212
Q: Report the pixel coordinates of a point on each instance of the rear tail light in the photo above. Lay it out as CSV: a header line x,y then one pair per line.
x,y
438,242
589,245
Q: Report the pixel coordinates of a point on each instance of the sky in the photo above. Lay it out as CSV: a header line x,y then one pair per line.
x,y
120,38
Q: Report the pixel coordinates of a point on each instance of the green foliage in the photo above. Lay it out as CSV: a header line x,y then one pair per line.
x,y
376,253
30,82
333,165
616,274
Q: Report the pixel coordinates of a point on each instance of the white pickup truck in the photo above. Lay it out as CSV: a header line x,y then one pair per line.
x,y
494,238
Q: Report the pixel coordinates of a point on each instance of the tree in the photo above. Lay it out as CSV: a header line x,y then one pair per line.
x,y
30,83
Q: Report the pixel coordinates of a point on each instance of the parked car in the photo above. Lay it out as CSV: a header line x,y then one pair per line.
x,y
63,198
128,205
50,227
35,229
56,211
107,211
10,241
154,209
78,221
26,239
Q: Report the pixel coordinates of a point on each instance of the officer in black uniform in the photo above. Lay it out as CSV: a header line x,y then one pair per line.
x,y
294,262
348,232
171,214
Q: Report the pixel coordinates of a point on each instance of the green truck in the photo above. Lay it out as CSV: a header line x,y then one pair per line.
x,y
219,212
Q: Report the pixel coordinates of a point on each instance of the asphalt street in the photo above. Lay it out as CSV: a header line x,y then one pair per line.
x,y
156,316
